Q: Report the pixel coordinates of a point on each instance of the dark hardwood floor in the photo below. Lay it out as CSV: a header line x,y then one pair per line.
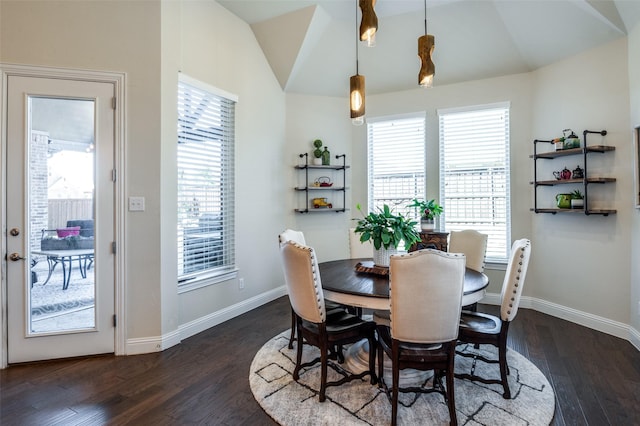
x,y
204,380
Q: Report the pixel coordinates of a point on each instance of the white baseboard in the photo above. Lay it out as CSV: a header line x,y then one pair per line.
x,y
160,343
634,337
145,345
605,325
196,326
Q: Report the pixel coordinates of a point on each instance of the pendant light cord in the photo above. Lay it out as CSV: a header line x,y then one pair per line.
x,y
425,17
357,36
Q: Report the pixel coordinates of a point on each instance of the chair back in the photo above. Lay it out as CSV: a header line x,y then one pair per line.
x,y
291,235
357,249
426,289
473,244
302,278
514,278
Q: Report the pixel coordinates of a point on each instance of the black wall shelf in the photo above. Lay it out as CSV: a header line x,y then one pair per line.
x,y
585,151
312,192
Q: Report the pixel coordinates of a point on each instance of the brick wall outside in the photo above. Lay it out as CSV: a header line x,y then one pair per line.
x,y
38,187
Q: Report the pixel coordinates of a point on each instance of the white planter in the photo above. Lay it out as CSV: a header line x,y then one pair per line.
x,y
577,203
381,257
427,224
317,161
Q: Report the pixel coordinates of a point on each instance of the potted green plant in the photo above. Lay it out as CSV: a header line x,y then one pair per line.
x,y
577,199
386,230
429,210
317,152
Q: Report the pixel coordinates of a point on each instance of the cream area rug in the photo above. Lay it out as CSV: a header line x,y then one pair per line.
x,y
359,403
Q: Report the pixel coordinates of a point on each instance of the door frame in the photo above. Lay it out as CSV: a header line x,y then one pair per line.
x,y
118,79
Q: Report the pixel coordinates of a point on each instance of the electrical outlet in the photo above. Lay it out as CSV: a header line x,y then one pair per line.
x,y
241,283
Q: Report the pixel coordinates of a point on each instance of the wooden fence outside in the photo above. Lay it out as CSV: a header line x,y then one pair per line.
x,y
62,210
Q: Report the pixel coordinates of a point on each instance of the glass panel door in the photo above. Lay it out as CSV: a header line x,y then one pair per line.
x,y
59,218
61,214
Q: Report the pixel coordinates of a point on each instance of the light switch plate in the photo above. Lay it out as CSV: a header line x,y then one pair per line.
x,y
136,204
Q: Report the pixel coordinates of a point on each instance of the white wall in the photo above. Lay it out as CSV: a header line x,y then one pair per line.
x,y
151,41
216,47
325,118
109,36
634,90
583,262
580,265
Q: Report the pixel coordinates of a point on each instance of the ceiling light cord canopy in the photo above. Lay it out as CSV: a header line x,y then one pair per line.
x,y
369,22
426,44
356,88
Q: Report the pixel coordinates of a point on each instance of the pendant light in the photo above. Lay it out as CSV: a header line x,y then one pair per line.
x,y
369,22
426,44
356,84
356,89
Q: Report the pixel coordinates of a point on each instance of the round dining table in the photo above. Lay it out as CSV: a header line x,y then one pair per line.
x,y
342,283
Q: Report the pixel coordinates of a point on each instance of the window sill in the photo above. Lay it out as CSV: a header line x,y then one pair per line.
x,y
496,266
206,280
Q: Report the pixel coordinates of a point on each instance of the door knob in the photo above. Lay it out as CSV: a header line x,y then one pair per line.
x,y
14,232
15,257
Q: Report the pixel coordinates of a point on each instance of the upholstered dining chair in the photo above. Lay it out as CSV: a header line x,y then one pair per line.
x,y
425,292
298,237
314,327
474,246
479,328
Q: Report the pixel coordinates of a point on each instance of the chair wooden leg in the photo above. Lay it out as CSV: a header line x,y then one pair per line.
x,y
293,329
296,370
323,372
395,385
380,365
502,360
372,358
451,403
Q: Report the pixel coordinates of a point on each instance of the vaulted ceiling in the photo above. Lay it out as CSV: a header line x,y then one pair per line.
x,y
311,45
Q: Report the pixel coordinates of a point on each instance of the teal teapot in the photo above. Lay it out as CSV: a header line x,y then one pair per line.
x,y
563,201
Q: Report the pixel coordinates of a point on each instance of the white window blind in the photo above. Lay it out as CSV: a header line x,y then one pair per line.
x,y
205,163
474,175
396,163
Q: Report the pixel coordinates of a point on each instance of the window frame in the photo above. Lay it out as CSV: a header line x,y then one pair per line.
x,y
498,261
225,195
420,186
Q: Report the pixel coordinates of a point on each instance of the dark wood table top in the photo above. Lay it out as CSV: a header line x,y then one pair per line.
x,y
340,276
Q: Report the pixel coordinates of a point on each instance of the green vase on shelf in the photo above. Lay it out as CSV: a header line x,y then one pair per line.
x,y
326,157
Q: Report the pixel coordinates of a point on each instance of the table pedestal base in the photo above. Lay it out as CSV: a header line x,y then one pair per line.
x,y
356,360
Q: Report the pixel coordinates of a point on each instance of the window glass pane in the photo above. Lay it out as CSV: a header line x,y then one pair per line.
x,y
205,182
396,163
474,175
